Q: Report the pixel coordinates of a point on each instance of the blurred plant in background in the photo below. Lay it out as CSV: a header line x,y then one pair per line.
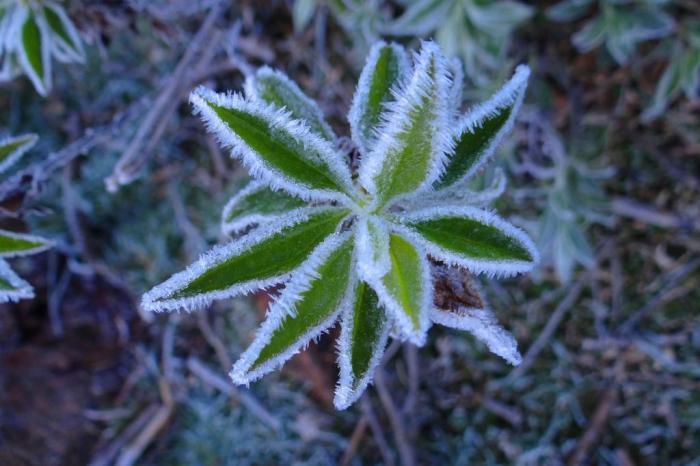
x,y
362,20
619,24
682,72
477,31
568,194
623,25
31,33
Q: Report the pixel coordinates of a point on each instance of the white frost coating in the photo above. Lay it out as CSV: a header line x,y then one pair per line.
x,y
44,244
359,99
481,323
457,73
266,72
247,220
395,311
301,281
62,50
345,395
497,268
157,300
372,246
42,85
397,119
22,289
458,194
279,119
12,158
511,94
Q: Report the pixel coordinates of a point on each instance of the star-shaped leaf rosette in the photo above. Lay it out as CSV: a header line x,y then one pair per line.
x,y
364,248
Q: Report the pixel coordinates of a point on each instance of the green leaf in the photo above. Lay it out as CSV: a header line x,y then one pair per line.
x,y
12,288
275,147
384,70
406,291
591,35
421,17
302,12
34,54
19,244
411,153
473,238
471,144
308,306
12,149
255,204
256,260
568,10
482,130
66,41
364,333
275,88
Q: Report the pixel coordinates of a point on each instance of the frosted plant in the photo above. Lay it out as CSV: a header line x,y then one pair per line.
x,y
31,32
682,73
571,197
477,31
13,288
620,24
361,20
350,247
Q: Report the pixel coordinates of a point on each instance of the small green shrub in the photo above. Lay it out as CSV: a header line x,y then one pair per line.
x,y
31,33
353,247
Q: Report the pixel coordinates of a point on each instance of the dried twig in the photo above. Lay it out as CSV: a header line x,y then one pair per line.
x,y
377,432
650,215
211,378
554,320
33,176
676,276
597,424
355,439
134,157
395,419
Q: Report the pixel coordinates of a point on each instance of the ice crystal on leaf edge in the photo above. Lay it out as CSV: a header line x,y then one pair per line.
x,y
359,253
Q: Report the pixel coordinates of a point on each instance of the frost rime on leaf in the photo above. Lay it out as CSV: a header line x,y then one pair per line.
x,y
359,254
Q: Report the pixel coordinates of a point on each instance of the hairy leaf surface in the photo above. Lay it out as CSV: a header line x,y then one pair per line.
x,y
275,88
363,337
308,306
34,53
66,42
20,244
276,148
385,69
12,149
411,151
473,238
12,288
255,204
405,291
259,259
482,129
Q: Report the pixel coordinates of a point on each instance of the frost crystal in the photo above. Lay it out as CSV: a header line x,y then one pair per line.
x,y
362,254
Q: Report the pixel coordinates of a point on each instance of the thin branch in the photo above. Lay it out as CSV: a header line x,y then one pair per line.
x,y
554,320
395,419
212,379
377,432
675,278
135,157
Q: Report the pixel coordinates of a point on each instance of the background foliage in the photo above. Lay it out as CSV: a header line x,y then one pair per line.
x,y
130,188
